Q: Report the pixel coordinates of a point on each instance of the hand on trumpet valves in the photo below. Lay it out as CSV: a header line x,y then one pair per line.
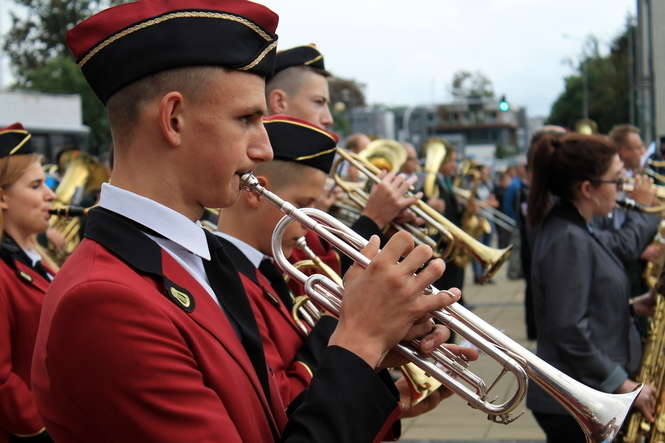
x,y
644,191
387,200
406,394
385,302
646,400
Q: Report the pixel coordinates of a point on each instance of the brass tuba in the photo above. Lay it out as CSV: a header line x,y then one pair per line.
x,y
435,152
586,126
83,176
599,414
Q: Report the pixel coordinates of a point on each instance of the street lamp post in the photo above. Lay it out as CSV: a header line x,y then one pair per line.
x,y
585,78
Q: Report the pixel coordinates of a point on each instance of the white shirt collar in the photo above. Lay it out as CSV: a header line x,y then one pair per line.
x,y
253,255
161,219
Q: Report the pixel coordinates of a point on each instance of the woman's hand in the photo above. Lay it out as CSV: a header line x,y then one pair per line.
x,y
643,305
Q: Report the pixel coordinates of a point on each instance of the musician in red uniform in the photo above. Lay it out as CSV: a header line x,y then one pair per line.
x,y
299,88
303,155
146,335
25,275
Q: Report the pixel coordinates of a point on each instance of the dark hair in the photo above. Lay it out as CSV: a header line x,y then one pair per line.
x,y
559,163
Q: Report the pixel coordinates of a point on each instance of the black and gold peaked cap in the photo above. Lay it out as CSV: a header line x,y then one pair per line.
x,y
306,55
125,43
14,138
300,141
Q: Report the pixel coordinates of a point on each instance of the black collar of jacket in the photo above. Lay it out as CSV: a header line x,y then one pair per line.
x,y
11,251
125,238
569,212
240,260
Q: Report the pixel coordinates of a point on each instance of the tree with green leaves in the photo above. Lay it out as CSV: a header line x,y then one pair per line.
x,y
40,61
608,86
468,85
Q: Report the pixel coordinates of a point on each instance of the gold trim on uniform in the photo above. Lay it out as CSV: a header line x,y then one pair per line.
x,y
174,15
261,56
25,276
306,366
314,128
314,60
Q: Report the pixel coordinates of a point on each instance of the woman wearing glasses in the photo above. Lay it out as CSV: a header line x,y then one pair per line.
x,y
580,288
25,275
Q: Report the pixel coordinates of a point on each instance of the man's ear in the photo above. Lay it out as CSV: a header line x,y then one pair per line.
x,y
278,101
254,200
171,119
3,200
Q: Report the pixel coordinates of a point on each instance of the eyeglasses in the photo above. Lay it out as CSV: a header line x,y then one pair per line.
x,y
619,182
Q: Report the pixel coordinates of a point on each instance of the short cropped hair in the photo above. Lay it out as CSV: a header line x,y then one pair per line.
x,y
282,173
290,79
124,106
620,133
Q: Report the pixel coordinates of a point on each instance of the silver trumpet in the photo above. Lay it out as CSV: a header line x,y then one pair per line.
x,y
598,413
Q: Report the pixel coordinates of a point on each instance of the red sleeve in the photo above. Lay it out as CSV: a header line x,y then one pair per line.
x,y
18,410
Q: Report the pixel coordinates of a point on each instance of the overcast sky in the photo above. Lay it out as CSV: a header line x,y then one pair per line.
x,y
407,51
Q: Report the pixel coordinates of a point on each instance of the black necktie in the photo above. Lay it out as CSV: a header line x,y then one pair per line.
x,y
276,279
41,270
228,288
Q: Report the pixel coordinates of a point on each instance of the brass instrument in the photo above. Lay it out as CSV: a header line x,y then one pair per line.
x,y
358,196
435,152
656,163
305,315
628,186
387,155
655,175
472,223
599,414
629,203
586,126
652,372
70,211
83,175
494,215
463,243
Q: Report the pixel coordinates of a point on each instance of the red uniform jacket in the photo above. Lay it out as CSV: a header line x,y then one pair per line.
x,y
22,291
291,356
131,348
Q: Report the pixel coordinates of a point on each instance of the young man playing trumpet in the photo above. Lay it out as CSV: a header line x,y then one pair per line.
x,y
303,155
144,335
299,88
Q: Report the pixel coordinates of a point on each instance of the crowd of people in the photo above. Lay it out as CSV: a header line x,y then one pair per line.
x,y
155,329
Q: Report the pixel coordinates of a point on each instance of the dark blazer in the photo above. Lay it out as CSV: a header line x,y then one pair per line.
x,y
22,291
454,274
131,348
581,294
628,241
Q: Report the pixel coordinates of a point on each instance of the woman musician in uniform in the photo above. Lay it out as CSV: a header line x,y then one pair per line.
x,y
580,288
25,275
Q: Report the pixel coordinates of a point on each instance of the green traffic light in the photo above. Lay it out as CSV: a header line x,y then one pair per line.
x,y
504,106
